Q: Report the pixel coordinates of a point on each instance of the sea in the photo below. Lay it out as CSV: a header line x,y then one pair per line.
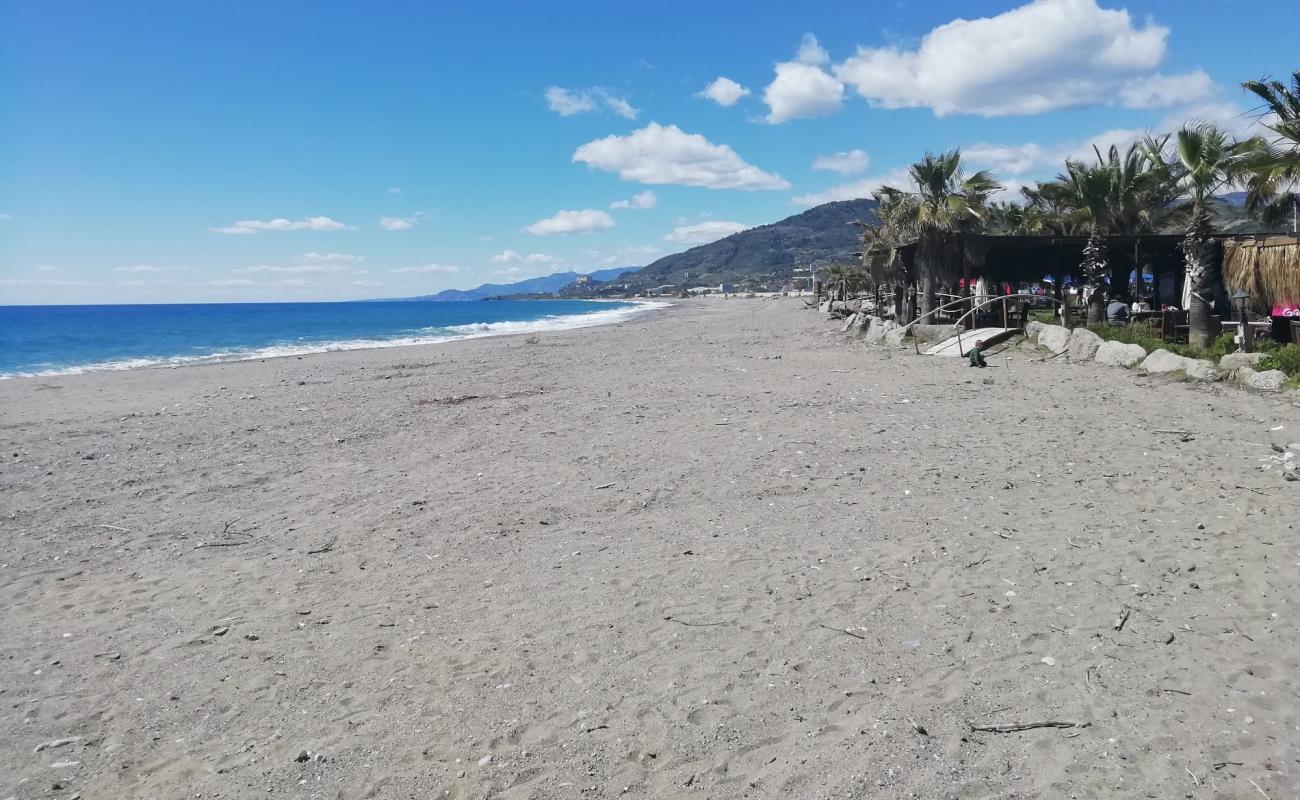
x,y
62,340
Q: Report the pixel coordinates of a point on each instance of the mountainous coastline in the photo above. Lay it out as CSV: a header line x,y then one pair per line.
x,y
546,284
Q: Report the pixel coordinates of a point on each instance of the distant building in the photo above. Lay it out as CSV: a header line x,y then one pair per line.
x,y
583,280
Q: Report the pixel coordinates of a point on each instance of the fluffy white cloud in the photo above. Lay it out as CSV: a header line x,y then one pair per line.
x,y
644,199
292,283
367,284
297,268
1045,55
855,190
512,257
567,102
398,223
801,88
438,268
704,232
327,258
584,221
848,162
249,226
723,91
658,154
1157,91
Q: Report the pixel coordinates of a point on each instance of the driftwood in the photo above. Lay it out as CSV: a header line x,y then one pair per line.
x,y
328,547
1015,727
843,631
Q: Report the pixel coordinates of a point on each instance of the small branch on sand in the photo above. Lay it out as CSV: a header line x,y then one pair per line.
x,y
844,631
605,486
1222,764
219,544
116,528
1256,491
1177,691
977,563
1123,618
695,624
1179,433
1261,791
328,547
1026,726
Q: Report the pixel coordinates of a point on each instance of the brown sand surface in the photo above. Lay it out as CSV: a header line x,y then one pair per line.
x,y
716,552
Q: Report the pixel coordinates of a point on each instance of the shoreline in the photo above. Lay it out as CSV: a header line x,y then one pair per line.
x,y
524,327
715,551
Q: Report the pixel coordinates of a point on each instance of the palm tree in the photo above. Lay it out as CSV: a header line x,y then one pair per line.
x,y
944,200
837,281
1206,160
1275,166
1090,190
880,243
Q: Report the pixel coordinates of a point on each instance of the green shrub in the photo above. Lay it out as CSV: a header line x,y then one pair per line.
x,y
1285,358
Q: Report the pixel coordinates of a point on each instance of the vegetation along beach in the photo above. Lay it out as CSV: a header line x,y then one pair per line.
x,y
573,401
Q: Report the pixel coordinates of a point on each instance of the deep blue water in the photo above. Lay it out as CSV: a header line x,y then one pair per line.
x,y
46,340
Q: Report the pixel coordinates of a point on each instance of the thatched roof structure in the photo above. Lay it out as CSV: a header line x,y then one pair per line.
x,y
1266,266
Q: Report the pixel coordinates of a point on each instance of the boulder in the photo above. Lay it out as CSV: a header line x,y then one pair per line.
x,y
1234,361
849,321
1267,381
1054,338
1033,328
895,336
1118,354
877,330
1163,362
825,307
1083,344
861,322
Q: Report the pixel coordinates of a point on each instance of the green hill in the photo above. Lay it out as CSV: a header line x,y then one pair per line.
x,y
768,252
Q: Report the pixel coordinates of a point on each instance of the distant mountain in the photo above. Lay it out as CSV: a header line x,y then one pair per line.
x,y
822,233
547,284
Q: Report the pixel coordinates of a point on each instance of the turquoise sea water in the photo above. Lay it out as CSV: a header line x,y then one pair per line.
x,y
52,340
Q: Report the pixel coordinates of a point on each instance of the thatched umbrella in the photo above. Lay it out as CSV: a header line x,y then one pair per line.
x,y
1267,268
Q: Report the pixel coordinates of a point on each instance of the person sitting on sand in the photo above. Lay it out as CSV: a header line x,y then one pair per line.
x,y
976,355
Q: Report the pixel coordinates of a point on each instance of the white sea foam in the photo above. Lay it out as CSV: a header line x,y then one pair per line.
x,y
451,333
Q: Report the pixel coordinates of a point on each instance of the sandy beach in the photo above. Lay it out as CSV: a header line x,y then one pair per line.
x,y
719,551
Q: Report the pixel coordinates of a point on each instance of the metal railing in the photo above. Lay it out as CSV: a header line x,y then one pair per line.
x,y
976,306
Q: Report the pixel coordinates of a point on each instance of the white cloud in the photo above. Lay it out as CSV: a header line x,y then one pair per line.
x,y
584,221
394,190
250,226
47,268
438,268
658,154
41,282
643,200
512,257
848,162
852,191
1045,55
327,258
365,284
623,256
515,273
704,232
4,217
810,52
398,223
723,91
1157,91
149,268
567,102
231,282
292,282
802,89
299,268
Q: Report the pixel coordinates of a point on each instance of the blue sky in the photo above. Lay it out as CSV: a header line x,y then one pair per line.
x,y
252,151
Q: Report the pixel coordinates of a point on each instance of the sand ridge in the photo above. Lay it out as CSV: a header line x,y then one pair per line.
x,y
716,552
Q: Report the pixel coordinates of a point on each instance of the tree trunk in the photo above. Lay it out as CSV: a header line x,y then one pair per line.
x,y
1094,268
1197,252
929,253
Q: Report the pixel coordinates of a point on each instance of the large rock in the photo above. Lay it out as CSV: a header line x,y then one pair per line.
x,y
1118,354
877,330
1234,361
1083,344
895,336
1033,328
849,322
1054,338
1268,381
1163,362
825,307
